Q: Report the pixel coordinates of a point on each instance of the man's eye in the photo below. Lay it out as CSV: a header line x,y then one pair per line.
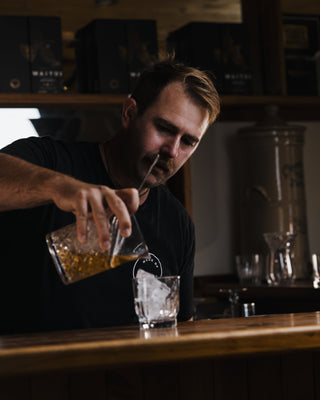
x,y
188,142
162,128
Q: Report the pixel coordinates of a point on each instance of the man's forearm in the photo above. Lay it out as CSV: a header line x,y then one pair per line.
x,y
22,184
25,185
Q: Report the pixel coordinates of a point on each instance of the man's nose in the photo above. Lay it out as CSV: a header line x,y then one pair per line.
x,y
171,147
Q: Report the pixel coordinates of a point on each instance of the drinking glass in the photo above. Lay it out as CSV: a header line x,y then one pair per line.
x,y
156,300
280,268
75,261
249,269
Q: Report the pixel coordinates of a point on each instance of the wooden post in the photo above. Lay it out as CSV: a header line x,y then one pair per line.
x,y
263,18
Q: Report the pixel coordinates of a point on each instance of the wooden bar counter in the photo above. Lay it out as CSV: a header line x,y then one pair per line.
x,y
260,357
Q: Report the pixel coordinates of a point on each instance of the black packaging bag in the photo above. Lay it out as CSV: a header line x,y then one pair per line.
x,y
14,50
111,53
222,48
46,54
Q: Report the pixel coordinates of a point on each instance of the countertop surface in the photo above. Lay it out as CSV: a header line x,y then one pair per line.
x,y
106,347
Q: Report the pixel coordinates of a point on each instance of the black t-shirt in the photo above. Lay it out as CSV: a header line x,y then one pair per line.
x,y
32,296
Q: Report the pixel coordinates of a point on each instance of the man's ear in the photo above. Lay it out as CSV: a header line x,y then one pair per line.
x,y
129,111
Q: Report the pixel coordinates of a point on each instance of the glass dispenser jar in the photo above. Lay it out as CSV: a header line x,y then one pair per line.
x,y
272,194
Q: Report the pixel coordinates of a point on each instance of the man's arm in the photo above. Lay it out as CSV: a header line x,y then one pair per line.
x,y
25,185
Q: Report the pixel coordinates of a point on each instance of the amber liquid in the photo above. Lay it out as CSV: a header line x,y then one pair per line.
x,y
80,266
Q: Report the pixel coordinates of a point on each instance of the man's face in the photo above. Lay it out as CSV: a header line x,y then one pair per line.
x,y
171,127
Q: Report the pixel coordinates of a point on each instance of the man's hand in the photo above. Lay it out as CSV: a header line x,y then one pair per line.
x,y
100,202
25,185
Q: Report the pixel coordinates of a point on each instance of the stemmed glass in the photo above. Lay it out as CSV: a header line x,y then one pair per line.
x,y
280,268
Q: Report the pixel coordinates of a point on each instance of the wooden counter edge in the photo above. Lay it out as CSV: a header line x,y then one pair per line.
x,y
193,345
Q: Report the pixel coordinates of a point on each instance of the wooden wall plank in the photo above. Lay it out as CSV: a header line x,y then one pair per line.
x,y
297,375
316,374
197,380
161,382
230,380
87,385
125,383
265,378
15,388
51,386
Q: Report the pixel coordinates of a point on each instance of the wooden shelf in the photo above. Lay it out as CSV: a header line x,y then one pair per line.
x,y
291,101
241,108
64,100
251,108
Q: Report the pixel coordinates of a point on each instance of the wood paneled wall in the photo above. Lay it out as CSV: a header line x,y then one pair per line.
x,y
292,376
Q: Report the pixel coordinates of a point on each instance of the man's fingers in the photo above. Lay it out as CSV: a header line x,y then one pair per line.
x,y
97,204
130,197
122,203
82,220
103,202
120,210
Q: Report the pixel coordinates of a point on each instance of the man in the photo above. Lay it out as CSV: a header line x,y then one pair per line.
x,y
46,184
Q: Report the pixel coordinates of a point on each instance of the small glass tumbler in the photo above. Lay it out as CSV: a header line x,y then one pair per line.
x,y
249,269
316,270
75,261
156,300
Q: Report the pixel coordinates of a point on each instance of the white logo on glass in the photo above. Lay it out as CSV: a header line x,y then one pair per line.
x,y
151,264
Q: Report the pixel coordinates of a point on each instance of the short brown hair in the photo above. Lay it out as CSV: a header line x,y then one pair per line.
x,y
198,85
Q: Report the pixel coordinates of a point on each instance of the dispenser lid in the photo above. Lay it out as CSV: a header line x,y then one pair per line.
x,y
272,122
